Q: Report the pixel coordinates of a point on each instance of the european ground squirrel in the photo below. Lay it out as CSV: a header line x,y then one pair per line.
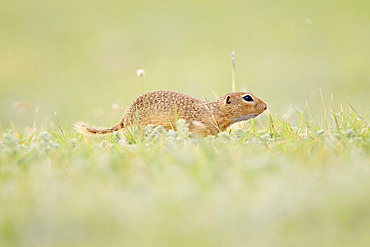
x,y
163,107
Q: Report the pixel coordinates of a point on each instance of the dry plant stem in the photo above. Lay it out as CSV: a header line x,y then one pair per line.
x,y
268,147
59,125
214,122
12,128
215,94
331,103
233,71
363,119
35,116
326,120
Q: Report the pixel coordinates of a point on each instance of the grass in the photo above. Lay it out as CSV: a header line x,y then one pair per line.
x,y
300,179
266,183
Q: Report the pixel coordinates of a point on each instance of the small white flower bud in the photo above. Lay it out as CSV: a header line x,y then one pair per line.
x,y
140,73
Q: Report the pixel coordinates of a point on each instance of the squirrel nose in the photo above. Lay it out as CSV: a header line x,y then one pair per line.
x,y
265,108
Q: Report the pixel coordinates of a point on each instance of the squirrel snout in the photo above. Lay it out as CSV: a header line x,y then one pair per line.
x,y
265,108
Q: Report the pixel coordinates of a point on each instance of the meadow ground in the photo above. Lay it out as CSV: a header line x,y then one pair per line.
x,y
289,178
264,184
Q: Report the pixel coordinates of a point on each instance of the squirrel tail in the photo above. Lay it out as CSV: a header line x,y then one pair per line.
x,y
86,129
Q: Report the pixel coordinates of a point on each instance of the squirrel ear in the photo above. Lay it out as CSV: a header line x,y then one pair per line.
x,y
228,100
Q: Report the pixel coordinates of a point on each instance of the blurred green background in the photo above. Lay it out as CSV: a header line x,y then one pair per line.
x,y
77,58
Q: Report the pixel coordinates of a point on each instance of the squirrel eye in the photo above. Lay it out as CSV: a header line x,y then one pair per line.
x,y
248,98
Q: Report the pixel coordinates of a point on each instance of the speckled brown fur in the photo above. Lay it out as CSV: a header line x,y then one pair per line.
x,y
204,117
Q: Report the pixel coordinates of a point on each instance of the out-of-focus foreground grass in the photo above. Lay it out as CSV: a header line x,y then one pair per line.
x,y
77,58
288,179
275,185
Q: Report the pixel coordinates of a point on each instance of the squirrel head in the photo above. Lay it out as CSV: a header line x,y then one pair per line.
x,y
241,106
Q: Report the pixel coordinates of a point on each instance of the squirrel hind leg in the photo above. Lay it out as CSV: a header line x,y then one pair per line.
x,y
199,128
